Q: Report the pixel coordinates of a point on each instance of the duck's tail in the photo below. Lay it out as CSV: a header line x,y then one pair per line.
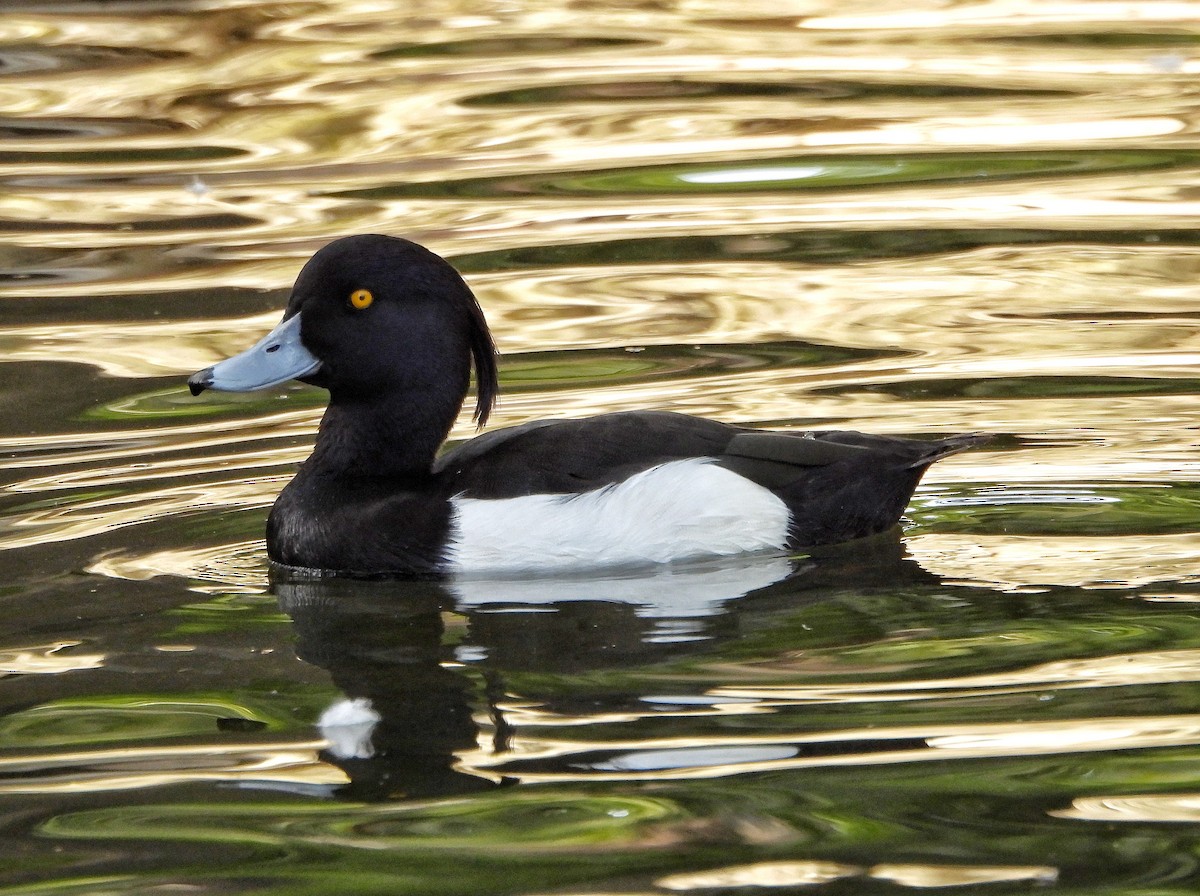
x,y
946,447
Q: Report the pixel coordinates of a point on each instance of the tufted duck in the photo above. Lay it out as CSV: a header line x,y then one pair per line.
x,y
392,331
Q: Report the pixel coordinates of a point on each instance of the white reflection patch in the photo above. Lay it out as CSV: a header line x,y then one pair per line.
x,y
348,726
753,175
700,757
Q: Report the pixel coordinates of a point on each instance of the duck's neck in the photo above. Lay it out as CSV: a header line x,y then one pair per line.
x,y
378,439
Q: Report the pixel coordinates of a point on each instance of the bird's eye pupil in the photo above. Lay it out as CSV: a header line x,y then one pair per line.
x,y
361,298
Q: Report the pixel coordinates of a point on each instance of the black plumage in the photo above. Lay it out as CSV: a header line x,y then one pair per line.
x,y
374,497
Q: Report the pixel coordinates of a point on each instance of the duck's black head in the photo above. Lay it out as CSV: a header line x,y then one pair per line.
x,y
374,318
384,315
391,330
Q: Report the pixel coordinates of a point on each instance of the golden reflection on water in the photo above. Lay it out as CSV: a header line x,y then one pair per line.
x,y
90,771
134,349
297,762
718,756
88,517
1111,670
1178,808
762,874
288,127
226,569
147,471
941,308
801,874
962,875
1018,132
1016,562
283,138
735,194
47,659
538,734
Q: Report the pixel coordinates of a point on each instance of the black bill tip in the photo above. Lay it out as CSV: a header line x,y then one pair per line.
x,y
198,382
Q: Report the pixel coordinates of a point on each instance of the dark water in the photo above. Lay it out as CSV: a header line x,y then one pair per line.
x,y
927,218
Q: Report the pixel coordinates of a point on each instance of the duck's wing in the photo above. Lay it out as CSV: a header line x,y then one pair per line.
x,y
778,459
573,456
473,449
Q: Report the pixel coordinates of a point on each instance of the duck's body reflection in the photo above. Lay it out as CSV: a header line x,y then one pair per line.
x,y
411,695
383,648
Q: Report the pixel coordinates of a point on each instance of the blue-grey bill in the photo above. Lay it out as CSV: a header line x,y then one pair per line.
x,y
276,358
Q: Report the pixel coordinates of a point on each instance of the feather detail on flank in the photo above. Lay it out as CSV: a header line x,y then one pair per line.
x,y
675,511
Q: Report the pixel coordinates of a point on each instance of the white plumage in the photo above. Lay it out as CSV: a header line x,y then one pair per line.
x,y
680,510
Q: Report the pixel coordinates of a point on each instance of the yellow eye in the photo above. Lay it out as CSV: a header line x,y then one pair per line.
x,y
361,298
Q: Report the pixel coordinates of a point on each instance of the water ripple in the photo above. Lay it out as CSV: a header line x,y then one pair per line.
x,y
906,218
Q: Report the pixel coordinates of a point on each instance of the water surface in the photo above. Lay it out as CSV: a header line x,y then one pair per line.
x,y
908,219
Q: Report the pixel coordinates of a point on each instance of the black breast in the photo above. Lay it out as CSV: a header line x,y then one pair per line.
x,y
366,527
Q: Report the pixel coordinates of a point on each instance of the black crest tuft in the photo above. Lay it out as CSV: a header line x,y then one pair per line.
x,y
483,351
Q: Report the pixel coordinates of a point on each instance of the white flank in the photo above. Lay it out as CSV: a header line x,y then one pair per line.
x,y
680,510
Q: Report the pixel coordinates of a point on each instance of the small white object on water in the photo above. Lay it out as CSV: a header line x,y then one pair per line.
x,y
197,187
348,726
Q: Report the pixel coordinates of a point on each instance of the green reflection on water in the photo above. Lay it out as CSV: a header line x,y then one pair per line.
x,y
543,370
369,109
160,404
810,172
227,612
100,720
123,156
561,838
177,401
508,840
839,246
1107,39
938,654
626,92
1041,386
1100,509
968,812
506,46
524,371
